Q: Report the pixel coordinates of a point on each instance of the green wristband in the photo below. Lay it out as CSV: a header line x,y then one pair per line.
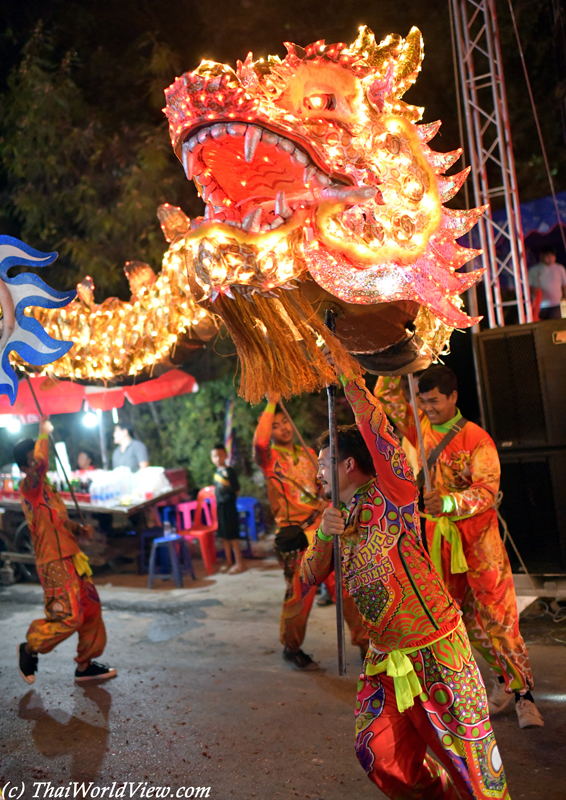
x,y
448,504
323,536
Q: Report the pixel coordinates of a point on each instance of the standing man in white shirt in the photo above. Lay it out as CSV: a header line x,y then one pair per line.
x,y
550,278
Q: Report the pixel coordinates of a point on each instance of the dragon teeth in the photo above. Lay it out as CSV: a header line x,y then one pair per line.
x,y
270,139
251,222
188,162
321,179
277,222
281,207
252,139
218,131
203,135
285,146
308,173
192,144
299,158
237,128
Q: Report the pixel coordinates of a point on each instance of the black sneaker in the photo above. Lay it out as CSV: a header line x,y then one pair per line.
x,y
27,664
95,672
300,660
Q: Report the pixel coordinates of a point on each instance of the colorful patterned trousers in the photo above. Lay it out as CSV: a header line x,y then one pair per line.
x,y
72,606
450,717
486,595
298,603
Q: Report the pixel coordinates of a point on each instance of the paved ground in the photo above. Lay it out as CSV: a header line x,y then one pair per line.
x,y
203,699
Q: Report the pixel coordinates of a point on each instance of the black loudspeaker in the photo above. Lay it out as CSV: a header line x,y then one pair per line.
x,y
533,483
523,377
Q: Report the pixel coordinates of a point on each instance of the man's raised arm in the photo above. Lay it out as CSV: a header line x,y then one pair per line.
x,y
387,454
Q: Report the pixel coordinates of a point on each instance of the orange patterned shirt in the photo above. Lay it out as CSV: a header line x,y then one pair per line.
x,y
467,469
52,532
292,486
403,602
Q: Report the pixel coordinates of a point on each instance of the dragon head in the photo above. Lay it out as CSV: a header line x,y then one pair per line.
x,y
312,167
314,162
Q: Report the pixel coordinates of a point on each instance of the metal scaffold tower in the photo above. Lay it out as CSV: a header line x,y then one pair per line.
x,y
491,157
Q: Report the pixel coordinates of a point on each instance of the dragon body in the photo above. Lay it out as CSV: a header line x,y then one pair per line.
x,y
320,191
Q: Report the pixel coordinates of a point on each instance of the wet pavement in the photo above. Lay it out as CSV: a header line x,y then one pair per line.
x,y
203,699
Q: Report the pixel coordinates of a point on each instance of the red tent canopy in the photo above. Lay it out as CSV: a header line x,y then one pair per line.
x,y
65,397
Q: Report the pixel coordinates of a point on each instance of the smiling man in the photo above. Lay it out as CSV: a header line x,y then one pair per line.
x,y
463,533
420,687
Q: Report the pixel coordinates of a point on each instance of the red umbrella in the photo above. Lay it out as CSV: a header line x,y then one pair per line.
x,y
65,397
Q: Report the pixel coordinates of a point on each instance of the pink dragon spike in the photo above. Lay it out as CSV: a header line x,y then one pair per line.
x,y
467,279
460,222
440,302
428,131
452,253
450,185
442,161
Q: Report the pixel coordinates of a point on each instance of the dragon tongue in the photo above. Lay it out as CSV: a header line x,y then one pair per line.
x,y
251,141
349,194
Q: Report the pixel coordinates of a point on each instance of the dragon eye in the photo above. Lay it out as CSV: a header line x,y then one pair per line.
x,y
320,102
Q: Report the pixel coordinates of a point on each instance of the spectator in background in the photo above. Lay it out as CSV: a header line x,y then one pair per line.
x,y
85,461
130,452
226,487
549,278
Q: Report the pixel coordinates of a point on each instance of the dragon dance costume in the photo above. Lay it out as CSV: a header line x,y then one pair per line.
x,y
420,686
71,601
293,493
465,541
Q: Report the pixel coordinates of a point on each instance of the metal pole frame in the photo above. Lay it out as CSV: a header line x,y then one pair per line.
x,y
491,155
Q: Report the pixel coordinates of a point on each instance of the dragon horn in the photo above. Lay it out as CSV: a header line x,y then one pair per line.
x,y
409,62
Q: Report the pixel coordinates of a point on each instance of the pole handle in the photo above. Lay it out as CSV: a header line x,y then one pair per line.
x,y
52,442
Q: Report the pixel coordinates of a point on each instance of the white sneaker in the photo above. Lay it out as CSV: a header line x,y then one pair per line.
x,y
498,698
528,713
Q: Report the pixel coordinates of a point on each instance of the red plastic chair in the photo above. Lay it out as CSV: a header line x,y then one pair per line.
x,y
204,532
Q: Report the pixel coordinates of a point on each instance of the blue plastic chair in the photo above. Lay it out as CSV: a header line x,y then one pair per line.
x,y
176,553
253,519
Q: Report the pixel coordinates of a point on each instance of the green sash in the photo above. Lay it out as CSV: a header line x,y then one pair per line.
x,y
446,527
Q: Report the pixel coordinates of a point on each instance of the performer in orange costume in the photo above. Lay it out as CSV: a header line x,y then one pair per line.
x,y
463,533
71,601
294,496
420,687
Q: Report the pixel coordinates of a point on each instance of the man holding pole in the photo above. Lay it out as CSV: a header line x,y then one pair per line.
x,y
295,498
420,687
71,601
463,533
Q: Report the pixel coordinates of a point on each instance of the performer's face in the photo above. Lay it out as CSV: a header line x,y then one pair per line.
x,y
325,472
438,407
281,432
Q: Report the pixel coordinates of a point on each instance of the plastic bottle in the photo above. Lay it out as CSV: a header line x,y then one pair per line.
x,y
16,475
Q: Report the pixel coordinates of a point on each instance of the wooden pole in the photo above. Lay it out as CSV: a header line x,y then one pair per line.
x,y
333,435
413,389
